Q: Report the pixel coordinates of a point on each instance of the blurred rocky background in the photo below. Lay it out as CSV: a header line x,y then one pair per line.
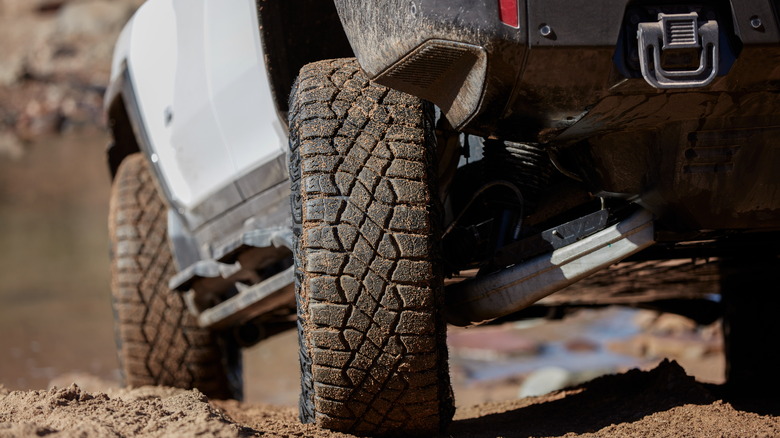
x,y
55,313
55,65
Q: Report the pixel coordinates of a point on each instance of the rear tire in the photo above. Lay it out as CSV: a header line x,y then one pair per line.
x,y
368,273
158,341
751,300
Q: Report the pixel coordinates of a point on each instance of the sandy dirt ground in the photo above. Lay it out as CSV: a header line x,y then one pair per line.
x,y
662,402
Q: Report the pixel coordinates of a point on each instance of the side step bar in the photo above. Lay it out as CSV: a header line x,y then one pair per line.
x,y
472,301
263,297
481,299
236,262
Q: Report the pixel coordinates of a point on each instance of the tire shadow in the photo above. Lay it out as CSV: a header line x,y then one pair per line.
x,y
608,400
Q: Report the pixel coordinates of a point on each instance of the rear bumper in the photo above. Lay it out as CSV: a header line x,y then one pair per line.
x,y
569,76
536,81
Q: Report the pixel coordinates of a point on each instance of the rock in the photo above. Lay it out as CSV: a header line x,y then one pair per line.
x,y
20,36
656,346
42,117
712,332
544,381
581,345
491,343
11,69
668,323
644,319
552,378
10,146
20,7
16,7
48,6
678,347
81,41
664,323
55,45
93,18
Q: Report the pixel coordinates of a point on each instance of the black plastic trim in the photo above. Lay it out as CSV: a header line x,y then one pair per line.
x,y
295,33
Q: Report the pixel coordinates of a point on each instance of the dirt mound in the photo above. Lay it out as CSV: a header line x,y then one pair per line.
x,y
661,402
144,412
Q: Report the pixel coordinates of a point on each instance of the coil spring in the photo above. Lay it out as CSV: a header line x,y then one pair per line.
x,y
525,165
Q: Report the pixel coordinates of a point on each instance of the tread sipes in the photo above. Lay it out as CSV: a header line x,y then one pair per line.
x,y
158,340
368,277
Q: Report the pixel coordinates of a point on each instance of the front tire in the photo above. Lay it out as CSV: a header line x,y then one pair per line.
x,y
158,341
368,271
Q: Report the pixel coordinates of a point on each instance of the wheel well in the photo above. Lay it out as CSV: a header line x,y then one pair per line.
x,y
124,142
295,33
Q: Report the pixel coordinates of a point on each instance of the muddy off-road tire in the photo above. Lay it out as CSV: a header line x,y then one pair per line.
x,y
368,281
158,340
751,327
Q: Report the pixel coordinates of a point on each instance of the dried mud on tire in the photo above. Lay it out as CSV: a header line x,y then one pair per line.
x,y
368,277
663,402
158,340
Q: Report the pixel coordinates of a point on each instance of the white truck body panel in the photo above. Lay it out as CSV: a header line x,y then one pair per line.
x,y
199,77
